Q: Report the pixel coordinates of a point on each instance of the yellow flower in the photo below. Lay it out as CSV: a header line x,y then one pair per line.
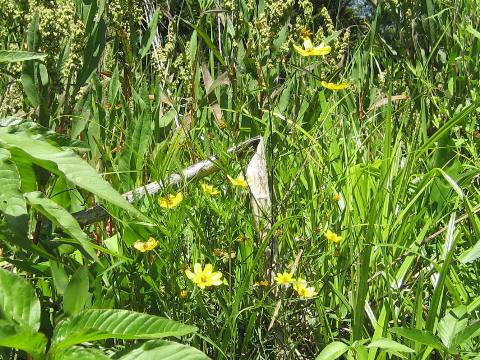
x,y
209,189
183,294
150,244
241,238
305,33
333,86
204,277
300,286
284,278
337,197
331,236
310,50
171,201
239,181
264,283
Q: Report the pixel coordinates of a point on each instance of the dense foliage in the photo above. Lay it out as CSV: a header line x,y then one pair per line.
x,y
348,227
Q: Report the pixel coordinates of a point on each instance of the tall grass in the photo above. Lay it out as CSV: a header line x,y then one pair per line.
x,y
391,164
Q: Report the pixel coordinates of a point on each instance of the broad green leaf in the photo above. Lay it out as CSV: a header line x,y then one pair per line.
x,y
97,324
25,143
62,218
332,351
466,334
18,301
423,337
389,345
17,56
165,350
76,292
451,324
12,201
60,278
79,353
14,336
149,36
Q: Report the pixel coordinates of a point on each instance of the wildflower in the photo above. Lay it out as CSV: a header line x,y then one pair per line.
x,y
241,238
284,278
305,33
204,277
118,106
183,294
239,181
264,283
337,197
151,97
209,189
331,236
170,201
333,86
304,291
225,254
108,106
310,50
150,244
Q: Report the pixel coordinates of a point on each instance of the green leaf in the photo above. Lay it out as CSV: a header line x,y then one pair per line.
x,y
209,42
76,292
472,31
25,143
12,202
29,83
60,278
13,336
466,334
28,76
471,254
451,324
332,351
80,353
389,345
93,53
149,35
62,218
17,56
423,337
165,350
18,301
97,324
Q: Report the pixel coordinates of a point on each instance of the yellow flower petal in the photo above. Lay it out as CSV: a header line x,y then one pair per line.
x,y
321,50
204,277
333,86
208,269
171,201
189,274
197,268
331,236
209,189
310,50
284,278
239,181
140,246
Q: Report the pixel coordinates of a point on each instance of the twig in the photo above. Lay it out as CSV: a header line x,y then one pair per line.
x,y
195,171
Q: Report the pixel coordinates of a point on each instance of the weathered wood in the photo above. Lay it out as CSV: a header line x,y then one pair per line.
x,y
195,171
